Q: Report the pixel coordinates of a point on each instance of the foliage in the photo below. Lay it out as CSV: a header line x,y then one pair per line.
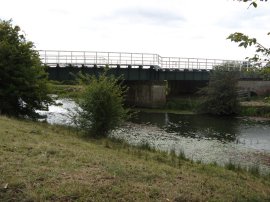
x,y
102,104
260,111
265,72
23,81
220,96
66,91
183,103
253,2
245,41
262,52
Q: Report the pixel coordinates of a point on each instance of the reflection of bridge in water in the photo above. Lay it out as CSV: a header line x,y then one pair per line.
x,y
123,59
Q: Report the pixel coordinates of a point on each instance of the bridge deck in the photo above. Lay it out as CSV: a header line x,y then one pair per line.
x,y
54,58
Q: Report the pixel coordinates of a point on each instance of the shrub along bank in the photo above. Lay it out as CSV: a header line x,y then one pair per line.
x,y
258,111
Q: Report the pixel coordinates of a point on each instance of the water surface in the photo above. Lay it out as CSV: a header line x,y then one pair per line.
x,y
202,138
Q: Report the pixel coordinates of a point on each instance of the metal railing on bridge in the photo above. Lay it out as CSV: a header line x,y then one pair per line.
x,y
55,58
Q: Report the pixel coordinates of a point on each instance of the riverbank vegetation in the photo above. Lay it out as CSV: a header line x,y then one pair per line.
x,y
257,110
184,103
65,91
220,96
101,104
41,162
23,81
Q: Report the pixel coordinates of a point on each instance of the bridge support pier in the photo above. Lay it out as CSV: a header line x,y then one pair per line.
x,y
150,94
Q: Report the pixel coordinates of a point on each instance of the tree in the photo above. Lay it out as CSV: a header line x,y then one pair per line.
x,y
220,96
23,81
262,54
245,41
102,105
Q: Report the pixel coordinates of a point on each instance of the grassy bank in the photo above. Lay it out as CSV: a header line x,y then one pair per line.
x,y
65,91
262,111
184,103
259,107
40,162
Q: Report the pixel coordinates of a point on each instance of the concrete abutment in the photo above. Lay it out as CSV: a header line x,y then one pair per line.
x,y
150,94
261,88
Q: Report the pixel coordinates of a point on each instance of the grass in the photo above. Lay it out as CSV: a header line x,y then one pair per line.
x,y
183,103
40,162
260,111
254,170
65,91
258,106
231,166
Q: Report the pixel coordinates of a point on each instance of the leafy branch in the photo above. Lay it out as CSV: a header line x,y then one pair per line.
x,y
245,41
253,2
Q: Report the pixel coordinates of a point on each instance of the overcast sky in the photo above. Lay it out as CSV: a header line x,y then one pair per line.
x,y
182,28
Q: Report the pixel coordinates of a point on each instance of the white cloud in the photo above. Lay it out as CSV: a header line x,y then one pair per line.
x,y
140,15
168,27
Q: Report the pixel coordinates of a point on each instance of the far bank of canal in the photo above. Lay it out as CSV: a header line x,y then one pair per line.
x,y
240,141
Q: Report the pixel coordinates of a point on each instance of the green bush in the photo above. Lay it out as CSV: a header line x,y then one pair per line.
x,y
182,103
23,81
102,105
263,111
220,96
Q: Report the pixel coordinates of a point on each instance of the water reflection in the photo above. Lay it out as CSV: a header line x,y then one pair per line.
x,y
193,126
61,113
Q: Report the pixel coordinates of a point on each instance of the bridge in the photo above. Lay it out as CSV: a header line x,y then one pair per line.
x,y
133,66
54,58
146,74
